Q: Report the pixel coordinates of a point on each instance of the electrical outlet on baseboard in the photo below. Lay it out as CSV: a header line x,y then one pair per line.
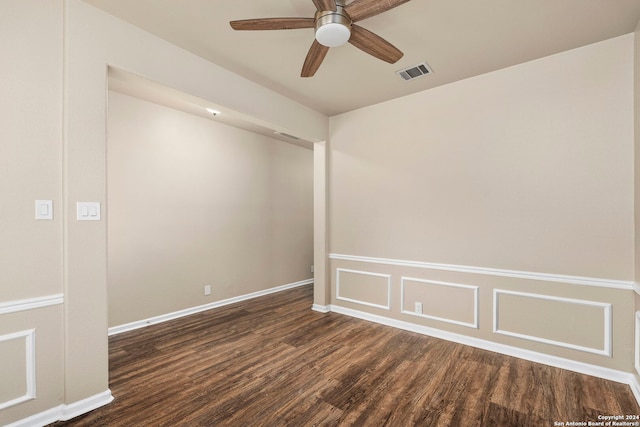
x,y
207,289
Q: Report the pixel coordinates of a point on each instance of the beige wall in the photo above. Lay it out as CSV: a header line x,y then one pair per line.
x,y
321,275
94,41
637,149
636,342
192,203
30,250
637,180
53,132
523,123
528,168
31,148
506,198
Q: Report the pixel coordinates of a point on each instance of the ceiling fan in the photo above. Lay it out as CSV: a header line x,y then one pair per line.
x,y
334,26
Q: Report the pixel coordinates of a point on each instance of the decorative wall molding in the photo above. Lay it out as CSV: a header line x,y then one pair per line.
x,y
634,383
366,273
607,321
29,337
30,303
574,280
636,287
558,362
186,312
65,412
474,289
637,343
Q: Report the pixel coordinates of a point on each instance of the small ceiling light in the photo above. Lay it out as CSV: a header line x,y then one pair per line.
x,y
333,28
214,112
333,34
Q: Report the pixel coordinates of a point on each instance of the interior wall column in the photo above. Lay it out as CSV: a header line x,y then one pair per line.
x,y
321,286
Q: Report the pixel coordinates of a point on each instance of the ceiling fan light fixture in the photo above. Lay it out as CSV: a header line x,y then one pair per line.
x,y
334,26
333,29
333,34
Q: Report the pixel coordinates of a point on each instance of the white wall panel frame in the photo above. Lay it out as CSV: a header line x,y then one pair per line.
x,y
29,337
367,273
474,289
606,313
637,343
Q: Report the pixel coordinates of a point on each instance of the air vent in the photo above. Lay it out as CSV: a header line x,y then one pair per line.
x,y
415,71
286,135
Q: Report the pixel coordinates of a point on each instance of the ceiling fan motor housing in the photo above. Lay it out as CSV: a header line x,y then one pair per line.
x,y
333,28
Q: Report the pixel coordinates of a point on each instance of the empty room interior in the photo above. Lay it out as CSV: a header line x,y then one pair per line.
x,y
320,212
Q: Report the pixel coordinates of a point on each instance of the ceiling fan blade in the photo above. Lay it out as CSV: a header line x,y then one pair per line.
x,y
272,24
374,45
314,59
362,9
325,5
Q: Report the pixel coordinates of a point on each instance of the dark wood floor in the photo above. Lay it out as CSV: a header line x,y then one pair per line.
x,y
272,361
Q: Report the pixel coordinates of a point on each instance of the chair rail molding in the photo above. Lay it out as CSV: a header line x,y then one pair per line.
x,y
548,277
30,303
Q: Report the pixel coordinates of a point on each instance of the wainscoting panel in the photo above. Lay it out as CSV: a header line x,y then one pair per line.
x,y
443,301
566,322
637,343
364,287
18,368
32,359
581,320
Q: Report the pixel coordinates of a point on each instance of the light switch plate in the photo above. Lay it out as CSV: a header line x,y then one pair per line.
x,y
88,211
44,209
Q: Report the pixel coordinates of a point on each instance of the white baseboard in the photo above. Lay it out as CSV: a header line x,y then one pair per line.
x,y
186,312
320,308
558,362
85,405
634,383
65,412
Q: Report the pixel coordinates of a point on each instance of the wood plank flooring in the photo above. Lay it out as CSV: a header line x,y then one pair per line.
x,y
272,361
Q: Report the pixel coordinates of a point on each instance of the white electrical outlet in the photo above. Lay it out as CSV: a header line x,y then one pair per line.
x,y
207,290
418,308
312,268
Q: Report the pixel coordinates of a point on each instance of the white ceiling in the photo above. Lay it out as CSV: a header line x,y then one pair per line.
x,y
457,38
